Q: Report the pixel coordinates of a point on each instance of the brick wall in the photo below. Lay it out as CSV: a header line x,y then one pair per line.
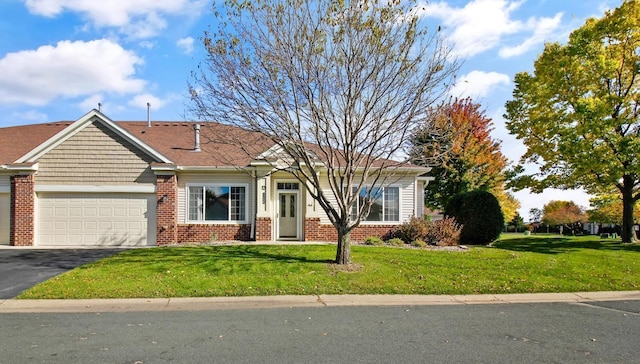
x,y
263,229
314,231
167,210
198,233
22,227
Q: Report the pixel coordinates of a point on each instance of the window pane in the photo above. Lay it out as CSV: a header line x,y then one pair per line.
x,y
216,203
375,199
392,204
292,207
288,186
354,208
195,203
238,203
283,206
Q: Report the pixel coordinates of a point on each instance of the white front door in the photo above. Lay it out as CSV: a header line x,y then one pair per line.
x,y
288,215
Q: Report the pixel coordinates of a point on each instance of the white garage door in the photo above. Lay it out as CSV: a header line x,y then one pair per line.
x,y
4,218
95,219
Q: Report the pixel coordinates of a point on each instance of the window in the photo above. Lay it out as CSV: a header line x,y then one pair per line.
x,y
292,186
217,203
385,203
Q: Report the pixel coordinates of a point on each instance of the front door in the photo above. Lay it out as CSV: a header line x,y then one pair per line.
x,y
288,215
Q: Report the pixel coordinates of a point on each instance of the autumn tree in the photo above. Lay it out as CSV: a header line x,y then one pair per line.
x,y
467,158
563,214
535,216
336,85
607,208
517,222
579,112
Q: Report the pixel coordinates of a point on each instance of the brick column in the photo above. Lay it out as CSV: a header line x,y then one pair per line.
x,y
22,227
167,210
312,231
263,229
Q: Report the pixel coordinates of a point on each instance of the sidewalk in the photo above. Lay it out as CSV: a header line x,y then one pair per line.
x,y
228,303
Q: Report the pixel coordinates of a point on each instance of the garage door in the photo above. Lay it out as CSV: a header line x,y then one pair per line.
x,y
4,218
96,219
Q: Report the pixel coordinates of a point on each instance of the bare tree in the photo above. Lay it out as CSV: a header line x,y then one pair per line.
x,y
338,86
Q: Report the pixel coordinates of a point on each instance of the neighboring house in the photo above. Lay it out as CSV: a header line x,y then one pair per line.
x,y
95,182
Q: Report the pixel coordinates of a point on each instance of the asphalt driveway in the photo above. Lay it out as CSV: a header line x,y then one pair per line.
x,y
21,269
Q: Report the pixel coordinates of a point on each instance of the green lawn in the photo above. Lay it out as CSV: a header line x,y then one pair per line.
x,y
515,264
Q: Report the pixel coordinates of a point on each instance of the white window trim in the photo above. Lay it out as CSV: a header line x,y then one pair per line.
x,y
217,222
384,222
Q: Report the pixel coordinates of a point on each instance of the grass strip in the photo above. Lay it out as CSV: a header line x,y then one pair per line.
x,y
515,264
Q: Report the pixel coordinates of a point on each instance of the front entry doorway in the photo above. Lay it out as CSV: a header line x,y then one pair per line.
x,y
288,211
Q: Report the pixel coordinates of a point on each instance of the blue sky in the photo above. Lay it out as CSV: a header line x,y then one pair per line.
x,y
60,58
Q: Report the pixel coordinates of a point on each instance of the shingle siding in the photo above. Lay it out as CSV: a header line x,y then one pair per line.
x,y
95,155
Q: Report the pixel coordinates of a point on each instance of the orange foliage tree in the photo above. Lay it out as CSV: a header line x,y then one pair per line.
x,y
564,214
468,159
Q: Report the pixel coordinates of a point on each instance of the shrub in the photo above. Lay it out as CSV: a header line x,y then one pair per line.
x,y
373,240
395,242
445,232
412,230
419,243
480,215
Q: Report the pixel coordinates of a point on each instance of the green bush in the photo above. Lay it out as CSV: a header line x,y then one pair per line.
x,y
479,214
395,242
373,240
412,230
419,243
445,232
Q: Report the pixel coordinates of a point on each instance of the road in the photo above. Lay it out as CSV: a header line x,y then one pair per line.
x,y
594,332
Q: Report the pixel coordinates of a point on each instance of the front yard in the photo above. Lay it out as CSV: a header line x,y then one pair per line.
x,y
515,264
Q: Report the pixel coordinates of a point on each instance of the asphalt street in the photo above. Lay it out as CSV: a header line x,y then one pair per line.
x,y
21,269
593,332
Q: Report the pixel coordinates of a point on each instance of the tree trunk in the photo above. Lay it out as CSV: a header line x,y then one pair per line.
x,y
343,254
627,234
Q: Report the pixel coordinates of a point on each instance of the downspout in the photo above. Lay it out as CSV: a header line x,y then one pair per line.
x,y
255,204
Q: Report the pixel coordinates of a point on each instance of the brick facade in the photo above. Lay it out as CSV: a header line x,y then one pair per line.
x,y
263,229
198,233
167,210
314,231
22,226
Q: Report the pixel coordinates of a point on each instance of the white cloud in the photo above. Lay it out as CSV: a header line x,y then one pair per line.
x,y
147,44
31,116
186,44
136,18
478,84
482,25
542,29
141,100
91,102
68,69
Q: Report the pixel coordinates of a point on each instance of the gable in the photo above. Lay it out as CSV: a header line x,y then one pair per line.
x,y
95,155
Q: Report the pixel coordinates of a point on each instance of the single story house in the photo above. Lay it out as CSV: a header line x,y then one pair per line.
x,y
96,182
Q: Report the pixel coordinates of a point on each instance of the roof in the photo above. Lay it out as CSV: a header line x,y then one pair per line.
x,y
222,146
219,144
16,141
175,140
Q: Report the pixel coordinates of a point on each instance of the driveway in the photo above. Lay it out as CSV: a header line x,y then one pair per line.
x,y
21,269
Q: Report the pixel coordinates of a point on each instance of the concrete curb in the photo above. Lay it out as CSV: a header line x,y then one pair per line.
x,y
262,302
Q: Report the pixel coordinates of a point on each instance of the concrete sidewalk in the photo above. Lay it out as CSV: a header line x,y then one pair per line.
x,y
226,303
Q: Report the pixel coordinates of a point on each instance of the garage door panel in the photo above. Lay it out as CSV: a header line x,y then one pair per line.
x,y
100,219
